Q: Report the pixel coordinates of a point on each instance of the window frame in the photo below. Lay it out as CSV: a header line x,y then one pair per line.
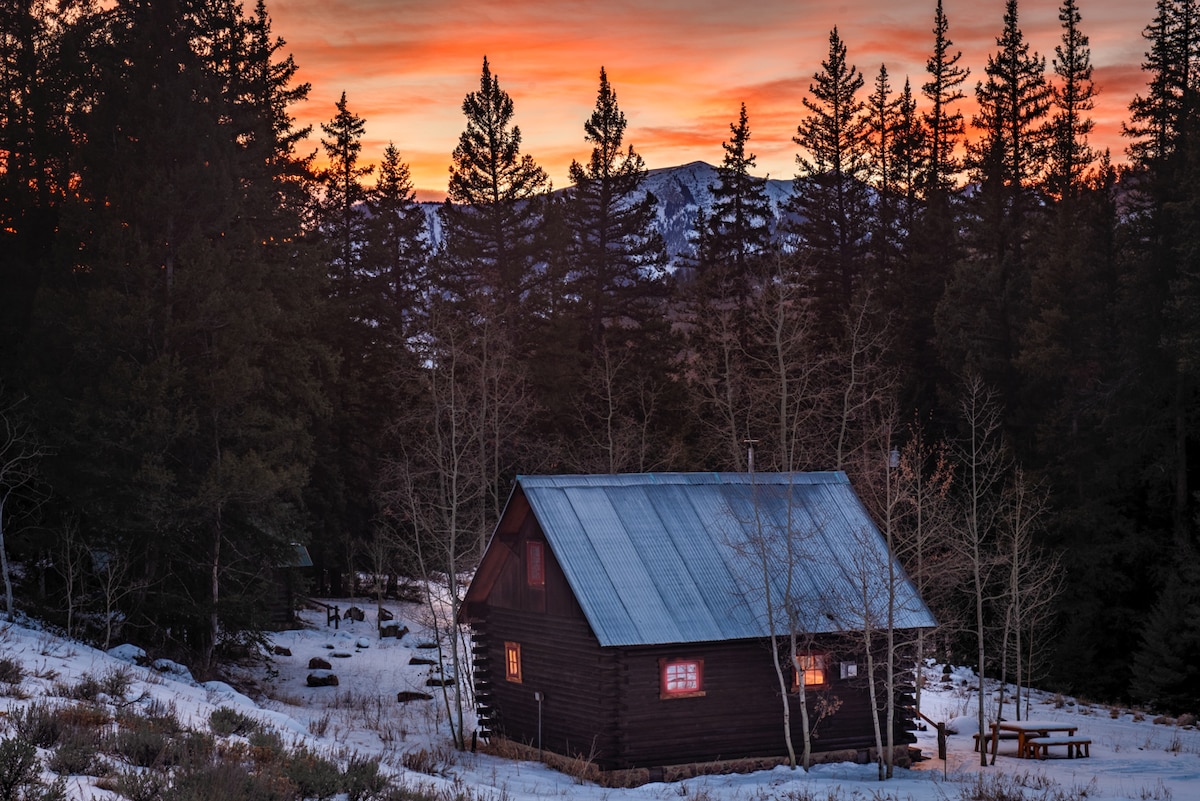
x,y
535,564
512,662
820,666
665,664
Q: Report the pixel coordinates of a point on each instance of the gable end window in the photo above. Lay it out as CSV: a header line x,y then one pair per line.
x,y
512,662
681,678
813,669
535,564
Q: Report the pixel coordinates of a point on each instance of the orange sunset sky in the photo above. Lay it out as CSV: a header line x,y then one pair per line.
x,y
680,68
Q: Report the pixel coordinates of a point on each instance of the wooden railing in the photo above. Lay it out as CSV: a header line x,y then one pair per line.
x,y
941,731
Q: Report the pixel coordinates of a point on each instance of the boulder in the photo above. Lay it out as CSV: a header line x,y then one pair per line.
x,y
322,678
404,696
317,663
392,628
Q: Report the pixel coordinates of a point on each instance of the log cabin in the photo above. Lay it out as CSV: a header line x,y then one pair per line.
x,y
633,621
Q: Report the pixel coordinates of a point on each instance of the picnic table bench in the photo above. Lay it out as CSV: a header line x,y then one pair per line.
x,y
1076,746
987,738
1026,731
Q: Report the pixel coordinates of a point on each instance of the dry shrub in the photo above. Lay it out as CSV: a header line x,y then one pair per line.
x,y
85,716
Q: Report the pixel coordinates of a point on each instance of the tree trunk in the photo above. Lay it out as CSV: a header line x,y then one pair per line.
x,y
8,593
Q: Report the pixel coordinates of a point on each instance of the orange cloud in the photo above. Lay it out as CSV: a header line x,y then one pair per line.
x,y
680,67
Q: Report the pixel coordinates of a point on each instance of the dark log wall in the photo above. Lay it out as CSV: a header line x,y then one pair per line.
x,y
561,659
740,714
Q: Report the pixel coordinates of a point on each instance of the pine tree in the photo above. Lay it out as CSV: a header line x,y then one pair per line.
x,y
343,207
1166,670
39,70
616,259
830,190
1074,97
189,348
936,233
910,158
396,250
1160,120
1013,104
491,217
616,252
943,122
884,123
986,302
739,228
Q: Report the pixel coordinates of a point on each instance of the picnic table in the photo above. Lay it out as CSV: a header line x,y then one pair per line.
x,y
1030,731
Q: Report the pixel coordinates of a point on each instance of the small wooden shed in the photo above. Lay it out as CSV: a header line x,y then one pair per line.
x,y
626,619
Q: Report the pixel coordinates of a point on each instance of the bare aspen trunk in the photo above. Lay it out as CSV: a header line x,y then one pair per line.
x,y
10,612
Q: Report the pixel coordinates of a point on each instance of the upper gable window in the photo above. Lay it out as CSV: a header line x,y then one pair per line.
x,y
681,678
535,563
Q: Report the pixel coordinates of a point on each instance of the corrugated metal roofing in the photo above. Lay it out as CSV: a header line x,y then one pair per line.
x,y
694,557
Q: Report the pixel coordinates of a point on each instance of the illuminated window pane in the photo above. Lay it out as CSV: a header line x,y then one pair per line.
x,y
682,677
814,668
512,661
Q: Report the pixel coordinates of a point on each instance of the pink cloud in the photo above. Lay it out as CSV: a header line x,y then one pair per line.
x,y
680,67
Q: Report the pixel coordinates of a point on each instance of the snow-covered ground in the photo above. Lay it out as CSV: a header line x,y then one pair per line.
x,y
1132,757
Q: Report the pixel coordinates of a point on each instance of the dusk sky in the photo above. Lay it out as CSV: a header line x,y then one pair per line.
x,y
680,68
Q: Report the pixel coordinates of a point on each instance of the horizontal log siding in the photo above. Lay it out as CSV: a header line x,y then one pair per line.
x,y
739,716
561,659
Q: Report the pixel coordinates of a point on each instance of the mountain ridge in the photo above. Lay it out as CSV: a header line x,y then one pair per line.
x,y
682,191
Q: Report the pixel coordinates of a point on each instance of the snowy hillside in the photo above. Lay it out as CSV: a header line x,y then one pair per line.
x,y
360,721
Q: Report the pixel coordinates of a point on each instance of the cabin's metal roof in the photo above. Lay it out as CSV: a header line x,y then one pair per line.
x,y
695,557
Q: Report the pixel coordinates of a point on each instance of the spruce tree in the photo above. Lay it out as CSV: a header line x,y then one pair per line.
x,y
739,228
490,219
343,206
830,196
616,252
1166,669
943,122
1014,101
348,443
187,350
40,75
1074,97
883,114
396,249
910,158
616,260
936,231
986,301
1160,120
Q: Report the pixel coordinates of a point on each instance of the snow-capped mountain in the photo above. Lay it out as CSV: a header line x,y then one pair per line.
x,y
681,192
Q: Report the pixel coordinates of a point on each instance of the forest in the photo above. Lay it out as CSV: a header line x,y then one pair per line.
x,y
215,345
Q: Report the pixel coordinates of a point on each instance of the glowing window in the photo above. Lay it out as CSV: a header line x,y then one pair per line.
x,y
535,564
512,661
814,668
681,678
